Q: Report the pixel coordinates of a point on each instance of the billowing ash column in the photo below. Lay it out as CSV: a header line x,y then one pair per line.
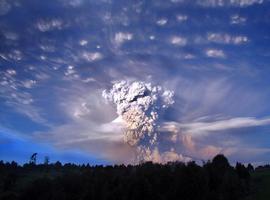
x,y
139,105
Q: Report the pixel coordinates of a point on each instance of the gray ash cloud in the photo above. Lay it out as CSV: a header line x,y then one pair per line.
x,y
140,106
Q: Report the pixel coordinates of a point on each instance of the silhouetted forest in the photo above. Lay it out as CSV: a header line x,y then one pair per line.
x,y
214,180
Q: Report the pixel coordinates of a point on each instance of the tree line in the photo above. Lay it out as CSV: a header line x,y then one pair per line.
x,y
214,180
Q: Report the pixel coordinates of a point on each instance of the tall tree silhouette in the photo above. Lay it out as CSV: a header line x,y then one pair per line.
x,y
33,159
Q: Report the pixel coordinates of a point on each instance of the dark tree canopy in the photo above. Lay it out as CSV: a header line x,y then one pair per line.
x,y
215,180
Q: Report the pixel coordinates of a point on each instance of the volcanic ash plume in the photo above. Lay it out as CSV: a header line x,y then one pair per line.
x,y
139,105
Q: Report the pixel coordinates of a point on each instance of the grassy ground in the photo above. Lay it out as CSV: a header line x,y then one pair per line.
x,y
260,185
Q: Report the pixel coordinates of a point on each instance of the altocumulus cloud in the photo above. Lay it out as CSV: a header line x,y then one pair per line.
x,y
178,84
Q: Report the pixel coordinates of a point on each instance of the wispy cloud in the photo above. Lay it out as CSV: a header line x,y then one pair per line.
x,y
5,7
236,3
13,94
226,38
202,128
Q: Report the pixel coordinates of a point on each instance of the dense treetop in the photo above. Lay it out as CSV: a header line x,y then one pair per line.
x,y
216,179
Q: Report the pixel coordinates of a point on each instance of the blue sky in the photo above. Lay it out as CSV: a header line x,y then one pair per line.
x,y
56,58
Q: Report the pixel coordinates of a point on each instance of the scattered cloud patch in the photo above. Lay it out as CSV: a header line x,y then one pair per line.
x,y
189,56
92,56
211,3
243,3
215,53
83,42
122,37
178,41
88,80
162,21
152,37
5,7
29,83
70,70
181,18
17,99
71,73
47,48
73,3
234,3
11,35
49,25
237,19
177,1
11,72
226,38
15,55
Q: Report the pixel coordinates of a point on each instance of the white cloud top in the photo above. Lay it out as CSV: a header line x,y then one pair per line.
x,y
139,105
162,22
122,37
215,53
179,41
